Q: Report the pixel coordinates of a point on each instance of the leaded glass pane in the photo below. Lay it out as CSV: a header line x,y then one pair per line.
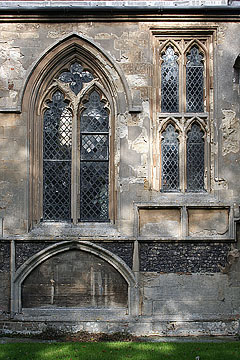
x,y
169,82
194,81
94,191
57,142
94,167
57,190
94,147
95,118
76,76
170,159
195,159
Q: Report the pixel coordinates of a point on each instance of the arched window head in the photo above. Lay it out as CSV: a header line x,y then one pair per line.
x,y
94,164
170,159
169,81
57,155
194,81
195,159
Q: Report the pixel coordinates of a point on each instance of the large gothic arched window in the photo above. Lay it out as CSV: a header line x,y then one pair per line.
x,y
76,149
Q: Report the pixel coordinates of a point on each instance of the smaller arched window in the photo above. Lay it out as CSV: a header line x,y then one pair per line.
x,y
169,81
195,158
170,159
194,81
183,79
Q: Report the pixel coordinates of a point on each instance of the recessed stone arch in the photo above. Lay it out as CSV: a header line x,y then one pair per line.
x,y
84,254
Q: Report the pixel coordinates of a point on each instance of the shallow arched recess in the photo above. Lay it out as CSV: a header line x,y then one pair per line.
x,y
76,279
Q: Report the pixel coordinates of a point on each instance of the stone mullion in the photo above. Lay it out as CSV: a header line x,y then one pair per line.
x,y
75,166
182,161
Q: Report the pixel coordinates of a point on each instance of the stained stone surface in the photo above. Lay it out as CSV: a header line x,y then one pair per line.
x,y
74,279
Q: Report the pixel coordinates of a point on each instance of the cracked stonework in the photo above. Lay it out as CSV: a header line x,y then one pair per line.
x,y
230,132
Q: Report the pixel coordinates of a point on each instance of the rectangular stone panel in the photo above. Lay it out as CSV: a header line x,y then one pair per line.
x,y
208,222
160,222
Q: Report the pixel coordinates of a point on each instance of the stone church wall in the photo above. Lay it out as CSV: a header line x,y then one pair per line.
x,y
166,263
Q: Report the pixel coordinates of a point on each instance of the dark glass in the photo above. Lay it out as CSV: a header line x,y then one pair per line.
x,y
76,76
170,159
94,167
169,82
57,145
194,81
195,159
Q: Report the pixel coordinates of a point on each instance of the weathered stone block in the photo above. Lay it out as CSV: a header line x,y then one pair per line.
x,y
208,222
160,222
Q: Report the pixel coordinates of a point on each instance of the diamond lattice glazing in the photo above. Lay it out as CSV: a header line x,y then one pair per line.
x,y
195,159
170,159
169,82
194,81
94,191
94,169
57,140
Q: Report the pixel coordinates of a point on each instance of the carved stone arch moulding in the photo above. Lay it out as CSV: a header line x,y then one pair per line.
x,y
199,121
78,47
175,122
55,251
172,44
199,44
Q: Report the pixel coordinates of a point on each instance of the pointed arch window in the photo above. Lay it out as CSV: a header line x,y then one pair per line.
x,y
183,79
195,159
194,81
170,159
76,150
169,81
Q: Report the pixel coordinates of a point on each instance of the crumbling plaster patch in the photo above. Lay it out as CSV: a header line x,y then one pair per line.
x,y
230,132
11,71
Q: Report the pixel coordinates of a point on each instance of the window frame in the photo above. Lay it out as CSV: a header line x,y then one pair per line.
x,y
204,38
